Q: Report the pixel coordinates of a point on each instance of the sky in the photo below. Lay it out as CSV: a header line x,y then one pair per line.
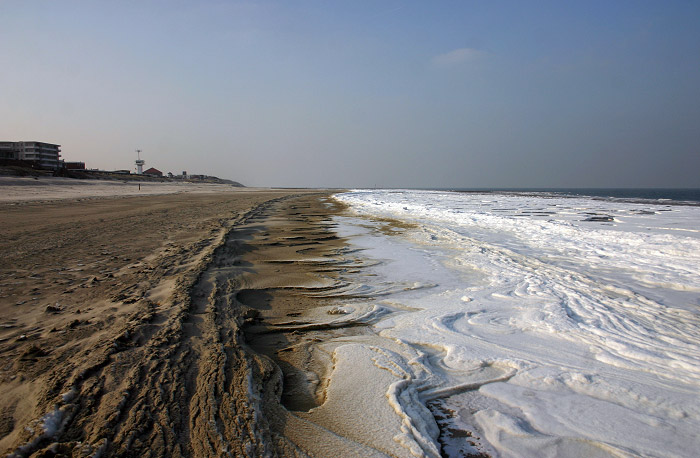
x,y
383,93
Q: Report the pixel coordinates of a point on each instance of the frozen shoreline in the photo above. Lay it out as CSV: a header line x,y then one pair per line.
x,y
546,333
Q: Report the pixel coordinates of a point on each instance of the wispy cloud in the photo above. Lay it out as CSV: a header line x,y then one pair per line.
x,y
457,57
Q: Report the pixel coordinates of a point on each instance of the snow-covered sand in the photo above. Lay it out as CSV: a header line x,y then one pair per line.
x,y
554,326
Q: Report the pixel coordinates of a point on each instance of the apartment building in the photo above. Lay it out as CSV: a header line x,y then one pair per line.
x,y
46,155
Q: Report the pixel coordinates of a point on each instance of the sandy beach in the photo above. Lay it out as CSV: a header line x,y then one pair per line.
x,y
264,229
125,321
220,321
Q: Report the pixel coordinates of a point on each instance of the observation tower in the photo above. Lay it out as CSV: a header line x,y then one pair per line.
x,y
139,163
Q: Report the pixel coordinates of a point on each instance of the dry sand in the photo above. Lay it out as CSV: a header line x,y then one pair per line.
x,y
111,340
23,189
181,324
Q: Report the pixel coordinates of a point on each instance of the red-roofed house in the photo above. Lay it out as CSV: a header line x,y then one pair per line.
x,y
153,172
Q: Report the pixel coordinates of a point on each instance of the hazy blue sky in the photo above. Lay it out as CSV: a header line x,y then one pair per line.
x,y
363,93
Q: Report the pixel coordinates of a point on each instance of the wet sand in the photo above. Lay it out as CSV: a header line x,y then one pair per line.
x,y
300,292
297,296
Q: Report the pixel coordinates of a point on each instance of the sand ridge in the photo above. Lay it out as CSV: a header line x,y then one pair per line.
x,y
308,302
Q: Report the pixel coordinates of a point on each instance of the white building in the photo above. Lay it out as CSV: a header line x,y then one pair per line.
x,y
44,154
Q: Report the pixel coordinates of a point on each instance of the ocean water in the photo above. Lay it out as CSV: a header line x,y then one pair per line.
x,y
543,323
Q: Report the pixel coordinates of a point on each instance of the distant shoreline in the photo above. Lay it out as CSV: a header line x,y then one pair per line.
x,y
17,171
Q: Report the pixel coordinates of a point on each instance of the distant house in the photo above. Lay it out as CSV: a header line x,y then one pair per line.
x,y
75,165
153,172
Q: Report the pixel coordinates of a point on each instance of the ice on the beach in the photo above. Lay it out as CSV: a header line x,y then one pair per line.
x,y
546,331
382,383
